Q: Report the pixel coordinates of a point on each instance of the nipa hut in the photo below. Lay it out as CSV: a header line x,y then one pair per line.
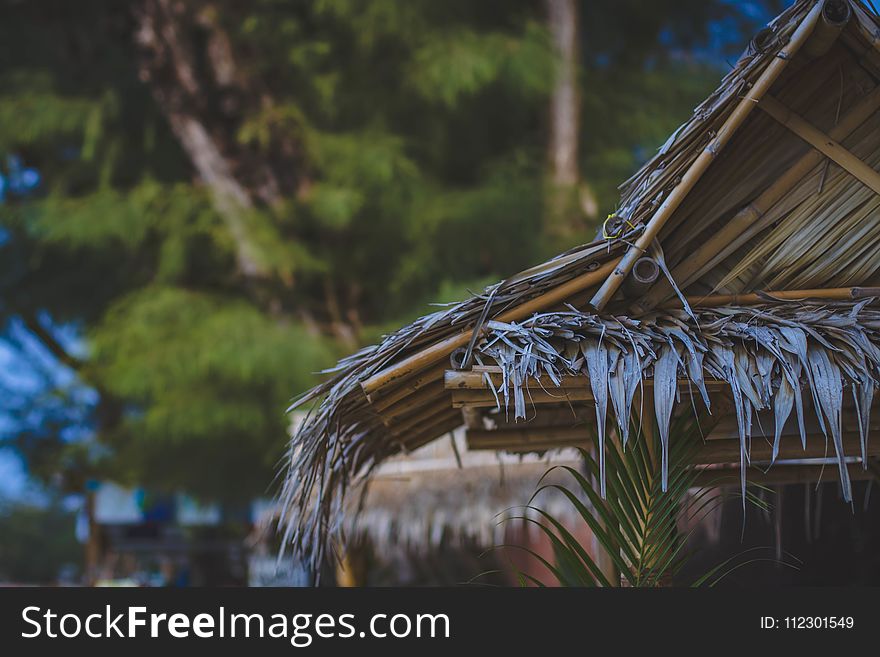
x,y
445,492
431,515
738,276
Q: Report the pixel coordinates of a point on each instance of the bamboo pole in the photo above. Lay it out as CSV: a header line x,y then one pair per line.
x,y
821,142
457,381
780,474
733,234
706,157
439,350
432,432
726,450
835,16
527,439
872,36
386,397
485,398
425,417
416,398
752,298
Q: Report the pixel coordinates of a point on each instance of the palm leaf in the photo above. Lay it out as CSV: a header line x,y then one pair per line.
x,y
635,523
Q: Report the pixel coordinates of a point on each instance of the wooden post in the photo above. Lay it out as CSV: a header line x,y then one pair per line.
x,y
351,568
648,424
93,543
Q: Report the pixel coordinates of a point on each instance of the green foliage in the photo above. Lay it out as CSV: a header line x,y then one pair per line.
x,y
37,543
654,109
637,523
449,66
203,373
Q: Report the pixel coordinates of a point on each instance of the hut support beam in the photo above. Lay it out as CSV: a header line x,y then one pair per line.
x,y
738,230
696,170
821,142
752,298
713,451
781,474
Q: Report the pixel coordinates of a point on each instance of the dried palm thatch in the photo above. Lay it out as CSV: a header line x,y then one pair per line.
x,y
442,494
770,212
764,353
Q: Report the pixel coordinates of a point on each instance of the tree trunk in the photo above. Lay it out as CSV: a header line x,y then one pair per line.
x,y
187,60
564,216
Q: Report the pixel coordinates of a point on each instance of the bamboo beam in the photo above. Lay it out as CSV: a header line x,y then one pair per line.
x,y
470,389
752,298
485,398
527,439
418,399
734,233
699,166
835,16
385,397
443,425
440,350
821,142
467,380
780,474
425,417
464,380
871,36
727,450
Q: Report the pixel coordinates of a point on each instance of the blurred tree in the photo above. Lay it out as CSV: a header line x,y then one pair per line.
x,y
221,197
38,544
565,212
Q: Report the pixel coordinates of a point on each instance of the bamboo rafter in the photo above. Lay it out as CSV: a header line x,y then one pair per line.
x,y
821,142
734,233
753,298
706,157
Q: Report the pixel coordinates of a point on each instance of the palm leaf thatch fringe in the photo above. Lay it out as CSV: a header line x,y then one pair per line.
x,y
766,354
421,509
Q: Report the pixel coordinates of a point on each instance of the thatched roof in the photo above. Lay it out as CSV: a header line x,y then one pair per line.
x,y
769,186
444,492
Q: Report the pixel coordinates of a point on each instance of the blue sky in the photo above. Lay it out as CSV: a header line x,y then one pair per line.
x,y
13,477
27,370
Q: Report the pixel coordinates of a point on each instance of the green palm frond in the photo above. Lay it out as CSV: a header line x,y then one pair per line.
x,y
636,523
